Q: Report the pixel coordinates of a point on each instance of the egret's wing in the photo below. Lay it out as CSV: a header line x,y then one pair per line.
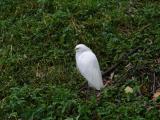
x,y
88,66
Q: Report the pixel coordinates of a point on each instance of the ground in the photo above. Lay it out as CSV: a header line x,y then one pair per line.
x,y
39,79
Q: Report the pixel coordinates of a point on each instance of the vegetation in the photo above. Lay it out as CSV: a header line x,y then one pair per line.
x,y
38,78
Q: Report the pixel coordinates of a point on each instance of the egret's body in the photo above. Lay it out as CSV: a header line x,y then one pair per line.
x,y
88,66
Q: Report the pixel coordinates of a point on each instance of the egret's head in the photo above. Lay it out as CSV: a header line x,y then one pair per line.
x,y
81,48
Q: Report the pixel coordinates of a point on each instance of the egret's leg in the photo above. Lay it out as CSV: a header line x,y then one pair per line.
x,y
98,94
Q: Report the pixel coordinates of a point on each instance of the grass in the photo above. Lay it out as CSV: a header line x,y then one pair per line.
x,y
38,78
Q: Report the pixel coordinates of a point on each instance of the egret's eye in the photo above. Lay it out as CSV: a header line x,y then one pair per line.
x,y
76,48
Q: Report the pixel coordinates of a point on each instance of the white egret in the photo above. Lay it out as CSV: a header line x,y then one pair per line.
x,y
88,66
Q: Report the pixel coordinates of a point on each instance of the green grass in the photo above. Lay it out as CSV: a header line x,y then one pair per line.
x,y
38,76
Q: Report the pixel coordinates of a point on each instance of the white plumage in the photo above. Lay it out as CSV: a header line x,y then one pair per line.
x,y
88,66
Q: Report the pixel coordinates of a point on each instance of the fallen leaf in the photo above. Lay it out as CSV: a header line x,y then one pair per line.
x,y
128,90
128,67
156,95
111,76
157,61
108,80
